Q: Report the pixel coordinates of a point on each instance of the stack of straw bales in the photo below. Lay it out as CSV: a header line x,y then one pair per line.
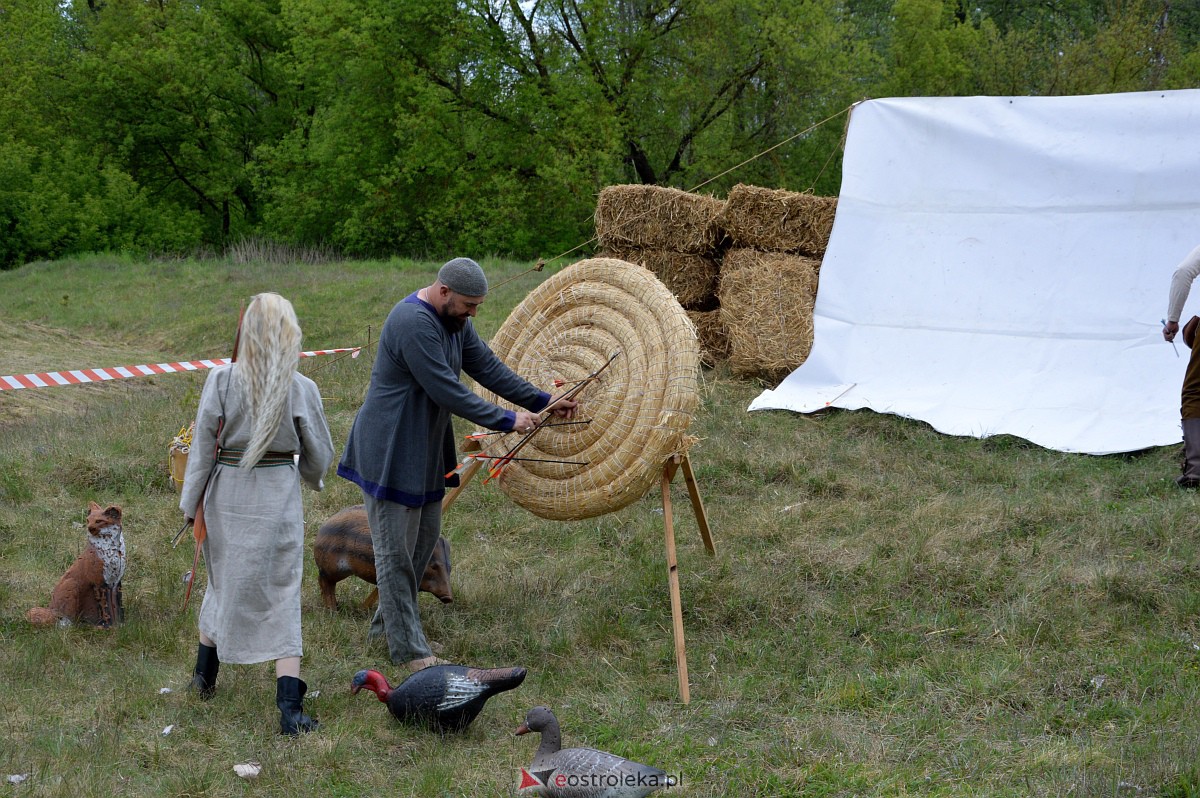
x,y
769,275
775,220
672,233
745,269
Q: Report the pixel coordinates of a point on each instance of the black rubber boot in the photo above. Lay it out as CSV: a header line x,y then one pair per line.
x,y
289,696
1190,478
204,677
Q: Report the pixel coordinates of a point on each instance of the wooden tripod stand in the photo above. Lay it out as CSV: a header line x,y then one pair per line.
x,y
682,463
677,462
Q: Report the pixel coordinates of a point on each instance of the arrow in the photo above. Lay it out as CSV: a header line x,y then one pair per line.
x,y
502,461
506,458
478,435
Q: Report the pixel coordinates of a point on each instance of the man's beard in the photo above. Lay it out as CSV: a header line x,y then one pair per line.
x,y
453,324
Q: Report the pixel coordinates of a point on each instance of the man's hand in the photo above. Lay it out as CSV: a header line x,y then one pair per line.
x,y
563,408
1169,330
526,421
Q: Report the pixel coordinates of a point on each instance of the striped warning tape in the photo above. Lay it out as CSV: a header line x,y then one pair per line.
x,y
50,379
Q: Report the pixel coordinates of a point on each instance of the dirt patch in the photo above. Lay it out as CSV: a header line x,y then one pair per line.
x,y
31,348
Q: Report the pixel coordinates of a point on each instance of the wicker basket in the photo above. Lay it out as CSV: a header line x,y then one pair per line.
x,y
638,409
177,455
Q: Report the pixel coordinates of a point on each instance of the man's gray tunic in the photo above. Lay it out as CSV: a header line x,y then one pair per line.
x,y
402,443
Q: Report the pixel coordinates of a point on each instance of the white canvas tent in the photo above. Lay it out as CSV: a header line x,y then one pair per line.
x,y
1001,265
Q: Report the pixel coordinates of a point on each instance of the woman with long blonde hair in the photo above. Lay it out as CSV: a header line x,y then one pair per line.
x,y
260,431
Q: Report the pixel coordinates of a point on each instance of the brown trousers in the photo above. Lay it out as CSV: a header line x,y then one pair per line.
x,y
1190,405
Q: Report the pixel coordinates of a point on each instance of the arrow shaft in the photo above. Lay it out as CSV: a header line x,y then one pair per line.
x,y
509,432
508,459
498,466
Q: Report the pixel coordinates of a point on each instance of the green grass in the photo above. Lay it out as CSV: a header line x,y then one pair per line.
x,y
890,611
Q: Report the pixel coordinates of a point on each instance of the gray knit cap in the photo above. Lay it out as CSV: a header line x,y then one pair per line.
x,y
463,276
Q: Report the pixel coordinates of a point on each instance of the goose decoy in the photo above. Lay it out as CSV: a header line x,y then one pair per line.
x,y
444,698
558,772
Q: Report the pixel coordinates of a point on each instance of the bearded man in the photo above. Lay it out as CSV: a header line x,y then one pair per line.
x,y
401,445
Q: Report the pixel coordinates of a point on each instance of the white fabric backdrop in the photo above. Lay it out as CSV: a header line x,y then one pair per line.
x,y
1002,264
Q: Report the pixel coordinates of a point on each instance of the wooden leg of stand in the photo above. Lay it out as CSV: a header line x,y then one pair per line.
x,y
673,583
671,466
463,479
697,504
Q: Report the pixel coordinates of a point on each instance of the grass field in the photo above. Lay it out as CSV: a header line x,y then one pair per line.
x,y
890,611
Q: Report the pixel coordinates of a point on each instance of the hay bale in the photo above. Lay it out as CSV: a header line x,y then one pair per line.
x,y
778,220
654,217
806,271
691,278
714,341
767,311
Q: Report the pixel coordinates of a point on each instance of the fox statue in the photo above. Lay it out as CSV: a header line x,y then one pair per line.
x,y
90,591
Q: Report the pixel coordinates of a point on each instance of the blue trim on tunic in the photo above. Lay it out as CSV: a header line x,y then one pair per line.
x,y
386,493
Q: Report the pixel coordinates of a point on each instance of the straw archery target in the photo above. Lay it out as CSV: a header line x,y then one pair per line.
x,y
637,409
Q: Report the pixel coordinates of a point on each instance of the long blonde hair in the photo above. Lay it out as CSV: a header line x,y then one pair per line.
x,y
268,351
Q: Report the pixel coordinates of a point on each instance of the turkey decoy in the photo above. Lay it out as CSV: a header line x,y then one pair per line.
x,y
445,698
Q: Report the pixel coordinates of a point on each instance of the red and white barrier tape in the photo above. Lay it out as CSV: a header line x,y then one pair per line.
x,y
51,379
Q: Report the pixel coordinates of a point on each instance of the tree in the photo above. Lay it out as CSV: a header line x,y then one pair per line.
x,y
184,93
929,51
492,124
1130,50
58,193
427,127
419,135
793,114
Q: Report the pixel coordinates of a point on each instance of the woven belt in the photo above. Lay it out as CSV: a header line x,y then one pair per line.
x,y
232,457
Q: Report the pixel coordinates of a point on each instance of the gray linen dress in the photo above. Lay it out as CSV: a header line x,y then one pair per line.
x,y
254,552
